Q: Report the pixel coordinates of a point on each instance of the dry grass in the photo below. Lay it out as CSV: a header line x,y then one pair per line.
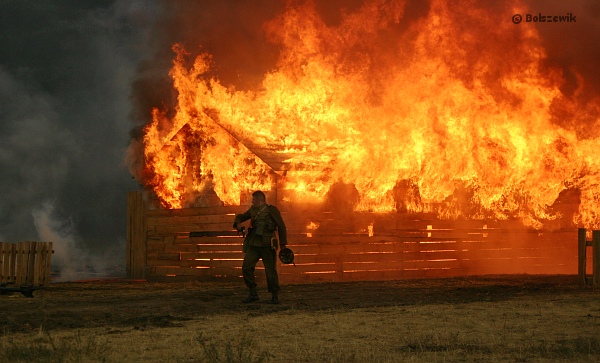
x,y
521,331
524,328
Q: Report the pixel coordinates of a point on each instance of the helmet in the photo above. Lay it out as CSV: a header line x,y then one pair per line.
x,y
286,256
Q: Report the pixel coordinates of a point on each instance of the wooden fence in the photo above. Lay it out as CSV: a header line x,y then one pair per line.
x,y
589,257
24,266
349,247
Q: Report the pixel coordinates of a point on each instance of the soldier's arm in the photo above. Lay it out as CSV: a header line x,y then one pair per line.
x,y
276,215
241,218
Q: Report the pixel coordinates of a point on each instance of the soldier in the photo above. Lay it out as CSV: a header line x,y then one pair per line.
x,y
261,243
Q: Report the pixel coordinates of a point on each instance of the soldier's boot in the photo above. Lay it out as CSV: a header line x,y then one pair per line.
x,y
275,298
252,297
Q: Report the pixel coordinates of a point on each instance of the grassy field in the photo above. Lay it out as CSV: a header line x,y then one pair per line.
x,y
526,319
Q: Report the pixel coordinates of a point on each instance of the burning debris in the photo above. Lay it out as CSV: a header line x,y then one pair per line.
x,y
458,112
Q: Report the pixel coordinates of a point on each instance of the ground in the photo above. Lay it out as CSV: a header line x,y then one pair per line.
x,y
123,303
468,319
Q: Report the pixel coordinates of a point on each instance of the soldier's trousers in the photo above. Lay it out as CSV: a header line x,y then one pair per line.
x,y
268,256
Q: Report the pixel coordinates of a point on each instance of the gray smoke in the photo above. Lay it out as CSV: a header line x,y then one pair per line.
x,y
572,46
71,260
66,69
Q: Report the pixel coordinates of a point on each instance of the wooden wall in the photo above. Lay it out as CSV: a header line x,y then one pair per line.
x,y
344,246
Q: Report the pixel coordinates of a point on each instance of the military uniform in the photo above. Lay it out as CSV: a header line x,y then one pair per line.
x,y
258,244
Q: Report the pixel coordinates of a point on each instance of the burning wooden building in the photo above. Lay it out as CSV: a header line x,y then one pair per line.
x,y
394,149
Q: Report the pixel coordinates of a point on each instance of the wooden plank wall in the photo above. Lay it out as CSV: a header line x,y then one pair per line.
x,y
357,246
410,246
172,255
25,263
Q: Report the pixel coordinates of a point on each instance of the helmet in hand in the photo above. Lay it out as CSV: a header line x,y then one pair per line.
x,y
286,256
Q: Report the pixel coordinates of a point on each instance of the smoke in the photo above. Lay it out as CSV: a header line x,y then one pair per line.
x,y
231,31
573,46
69,260
66,72
33,152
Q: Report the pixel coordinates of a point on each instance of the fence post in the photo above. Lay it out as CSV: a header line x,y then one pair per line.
x,y
136,236
4,262
581,242
596,258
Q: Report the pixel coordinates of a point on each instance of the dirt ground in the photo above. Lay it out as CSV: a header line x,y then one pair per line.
x,y
142,305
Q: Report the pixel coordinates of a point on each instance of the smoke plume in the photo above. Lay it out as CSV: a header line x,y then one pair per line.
x,y
70,260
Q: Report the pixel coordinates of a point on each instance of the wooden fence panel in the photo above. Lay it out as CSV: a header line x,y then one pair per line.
x,y
25,264
359,246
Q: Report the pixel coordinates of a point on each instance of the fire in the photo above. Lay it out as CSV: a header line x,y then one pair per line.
x,y
454,113
312,226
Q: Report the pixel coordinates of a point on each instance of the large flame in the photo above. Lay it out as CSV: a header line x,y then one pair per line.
x,y
455,113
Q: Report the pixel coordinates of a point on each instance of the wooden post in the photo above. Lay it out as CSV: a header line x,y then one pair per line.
x,y
12,273
37,265
47,262
596,258
136,235
581,240
22,256
4,262
33,255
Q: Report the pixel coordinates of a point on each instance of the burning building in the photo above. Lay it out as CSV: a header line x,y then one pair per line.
x,y
442,143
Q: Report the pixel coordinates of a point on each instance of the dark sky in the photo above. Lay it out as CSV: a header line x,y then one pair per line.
x,y
76,76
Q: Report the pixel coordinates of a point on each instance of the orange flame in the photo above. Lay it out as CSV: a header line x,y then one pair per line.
x,y
453,113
